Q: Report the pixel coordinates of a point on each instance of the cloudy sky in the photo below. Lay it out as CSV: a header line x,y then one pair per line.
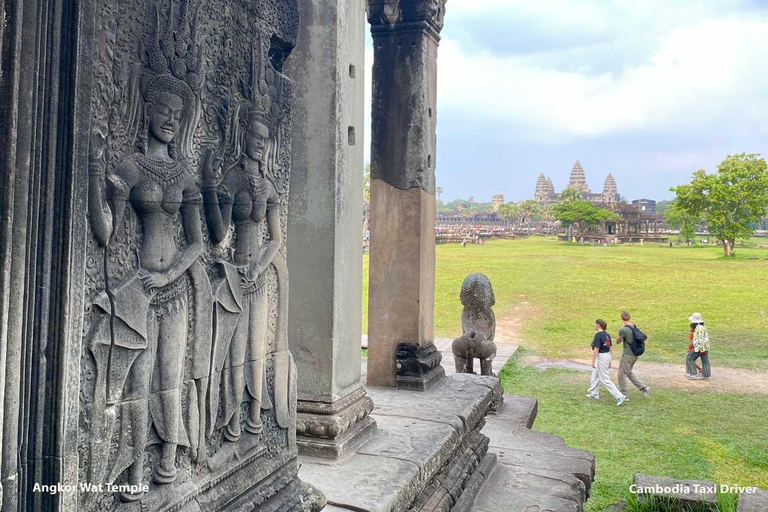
x,y
649,90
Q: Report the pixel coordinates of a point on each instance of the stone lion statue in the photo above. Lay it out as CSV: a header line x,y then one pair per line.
x,y
478,324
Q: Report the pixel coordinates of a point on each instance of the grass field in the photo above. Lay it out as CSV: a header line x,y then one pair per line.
x,y
565,287
560,288
680,434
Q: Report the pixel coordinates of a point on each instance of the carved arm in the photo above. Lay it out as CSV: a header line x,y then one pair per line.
x,y
218,210
190,217
269,251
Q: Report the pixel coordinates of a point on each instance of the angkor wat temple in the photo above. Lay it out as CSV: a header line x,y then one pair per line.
x,y
545,190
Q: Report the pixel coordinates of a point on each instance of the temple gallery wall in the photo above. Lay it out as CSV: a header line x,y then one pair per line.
x,y
180,265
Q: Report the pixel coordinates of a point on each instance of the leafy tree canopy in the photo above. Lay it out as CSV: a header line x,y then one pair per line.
x,y
677,217
731,201
581,214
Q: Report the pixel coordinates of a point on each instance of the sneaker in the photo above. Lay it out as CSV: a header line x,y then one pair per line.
x,y
621,400
593,395
691,377
626,398
645,392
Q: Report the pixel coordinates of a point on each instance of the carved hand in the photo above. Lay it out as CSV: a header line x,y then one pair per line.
x,y
153,280
96,150
210,164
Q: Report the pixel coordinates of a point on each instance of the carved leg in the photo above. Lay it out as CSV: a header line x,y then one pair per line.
x,y
166,387
135,475
486,367
255,361
470,366
461,363
232,430
254,424
165,472
234,379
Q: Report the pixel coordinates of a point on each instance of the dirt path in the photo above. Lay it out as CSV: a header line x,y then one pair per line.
x,y
509,329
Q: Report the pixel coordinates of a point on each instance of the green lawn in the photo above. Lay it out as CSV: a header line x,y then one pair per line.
x,y
568,286
675,433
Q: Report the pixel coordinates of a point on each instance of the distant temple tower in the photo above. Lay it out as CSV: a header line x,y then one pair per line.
x,y
610,191
542,187
578,180
497,201
550,187
545,191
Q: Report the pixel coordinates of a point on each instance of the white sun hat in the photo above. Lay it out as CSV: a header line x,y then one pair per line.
x,y
696,318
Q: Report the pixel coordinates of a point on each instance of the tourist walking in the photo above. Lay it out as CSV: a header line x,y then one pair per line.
x,y
690,348
601,362
698,348
628,357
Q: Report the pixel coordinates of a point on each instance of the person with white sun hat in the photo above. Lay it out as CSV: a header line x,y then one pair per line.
x,y
698,348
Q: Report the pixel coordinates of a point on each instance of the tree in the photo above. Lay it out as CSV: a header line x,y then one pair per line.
x,y
530,211
569,196
676,217
508,211
439,192
731,201
549,215
367,183
581,214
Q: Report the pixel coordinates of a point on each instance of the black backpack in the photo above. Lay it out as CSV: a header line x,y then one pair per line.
x,y
638,347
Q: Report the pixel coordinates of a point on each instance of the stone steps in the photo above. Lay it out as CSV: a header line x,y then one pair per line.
x,y
427,453
533,469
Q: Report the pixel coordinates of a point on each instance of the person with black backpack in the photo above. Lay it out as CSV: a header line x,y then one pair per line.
x,y
634,346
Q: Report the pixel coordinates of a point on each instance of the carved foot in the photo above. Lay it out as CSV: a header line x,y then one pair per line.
x,y
486,367
231,434
129,497
164,476
254,427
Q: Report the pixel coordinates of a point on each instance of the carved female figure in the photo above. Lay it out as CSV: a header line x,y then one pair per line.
x,y
150,309
248,199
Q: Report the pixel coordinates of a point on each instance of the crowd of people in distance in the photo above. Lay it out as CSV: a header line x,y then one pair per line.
x,y
633,341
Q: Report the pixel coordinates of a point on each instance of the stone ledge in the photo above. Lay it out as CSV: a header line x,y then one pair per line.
x,y
518,410
689,492
516,489
753,502
427,440
534,469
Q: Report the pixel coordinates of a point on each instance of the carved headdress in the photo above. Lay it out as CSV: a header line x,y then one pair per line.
x,y
172,62
262,91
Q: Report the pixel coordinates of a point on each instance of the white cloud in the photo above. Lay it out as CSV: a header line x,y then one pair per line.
x,y
710,73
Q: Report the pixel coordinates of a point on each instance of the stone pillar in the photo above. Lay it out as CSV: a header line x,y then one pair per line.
x,y
87,288
326,199
401,351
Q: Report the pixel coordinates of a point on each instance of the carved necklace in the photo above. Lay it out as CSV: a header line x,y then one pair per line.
x,y
255,184
160,171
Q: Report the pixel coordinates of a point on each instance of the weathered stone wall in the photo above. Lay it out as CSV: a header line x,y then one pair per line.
x,y
143,305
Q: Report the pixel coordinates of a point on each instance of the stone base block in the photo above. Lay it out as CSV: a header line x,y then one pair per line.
x,y
428,450
339,447
418,366
334,430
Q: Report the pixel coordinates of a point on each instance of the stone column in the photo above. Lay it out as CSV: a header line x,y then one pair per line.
x,y
401,298
326,199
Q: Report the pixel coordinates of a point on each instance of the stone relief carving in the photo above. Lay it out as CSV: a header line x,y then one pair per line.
x,y
246,200
185,342
478,324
